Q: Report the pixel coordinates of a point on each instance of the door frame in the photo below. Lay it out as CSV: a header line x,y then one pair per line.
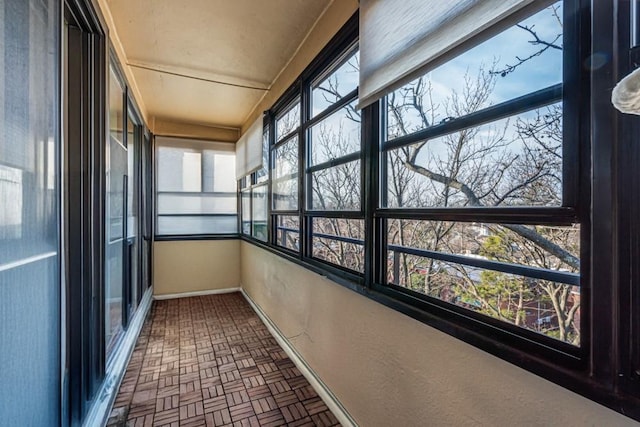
x,y
83,204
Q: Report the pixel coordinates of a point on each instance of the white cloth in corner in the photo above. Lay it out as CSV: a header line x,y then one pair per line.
x,y
626,95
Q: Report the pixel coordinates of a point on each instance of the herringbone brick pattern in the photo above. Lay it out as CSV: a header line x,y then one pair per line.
x,y
210,361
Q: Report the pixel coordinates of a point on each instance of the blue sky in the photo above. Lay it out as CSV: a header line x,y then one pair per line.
x,y
347,78
537,73
502,50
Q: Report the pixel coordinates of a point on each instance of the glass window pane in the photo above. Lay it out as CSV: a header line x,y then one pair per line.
x,y
132,187
635,23
218,168
515,161
336,136
288,232
196,188
133,155
262,175
117,170
337,188
246,212
541,246
186,168
196,203
116,114
286,159
551,308
522,301
285,176
288,121
511,64
259,213
245,182
340,83
285,195
339,241
190,225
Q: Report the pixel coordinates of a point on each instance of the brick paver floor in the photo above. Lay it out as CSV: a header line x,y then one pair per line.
x,y
210,361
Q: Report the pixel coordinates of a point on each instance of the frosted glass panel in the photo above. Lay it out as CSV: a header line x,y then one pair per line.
x,y
196,203
29,227
196,187
186,225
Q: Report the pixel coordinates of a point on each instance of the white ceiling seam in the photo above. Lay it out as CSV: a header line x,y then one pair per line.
x,y
199,75
210,61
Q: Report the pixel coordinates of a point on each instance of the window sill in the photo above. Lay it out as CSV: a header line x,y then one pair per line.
x,y
174,238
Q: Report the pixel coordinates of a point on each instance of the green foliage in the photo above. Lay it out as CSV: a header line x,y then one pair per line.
x,y
494,247
502,295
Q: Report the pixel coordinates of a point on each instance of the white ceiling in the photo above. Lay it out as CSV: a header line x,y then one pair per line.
x,y
243,43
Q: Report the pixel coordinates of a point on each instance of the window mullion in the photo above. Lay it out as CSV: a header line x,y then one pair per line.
x,y
272,235
304,184
373,256
531,101
341,103
506,215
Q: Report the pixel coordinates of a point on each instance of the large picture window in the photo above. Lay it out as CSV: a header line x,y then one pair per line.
x,y
484,132
471,203
459,196
475,182
196,187
467,192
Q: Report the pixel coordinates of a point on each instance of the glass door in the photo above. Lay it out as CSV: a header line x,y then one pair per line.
x,y
132,243
117,165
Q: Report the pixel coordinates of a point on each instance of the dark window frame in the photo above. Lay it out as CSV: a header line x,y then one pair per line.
x,y
309,213
628,199
590,371
566,214
85,329
286,102
569,212
85,295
